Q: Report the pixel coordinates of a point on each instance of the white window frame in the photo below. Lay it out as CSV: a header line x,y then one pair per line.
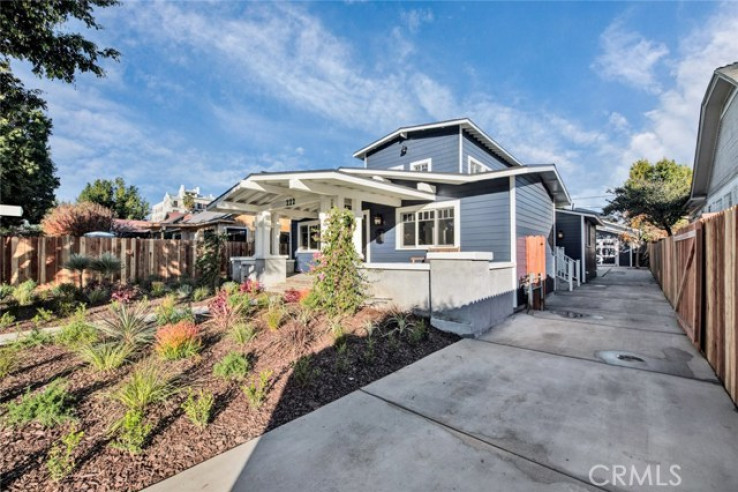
x,y
400,167
399,226
421,162
301,248
472,161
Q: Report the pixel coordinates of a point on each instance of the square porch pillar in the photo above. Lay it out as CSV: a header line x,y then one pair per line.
x,y
263,226
358,225
275,231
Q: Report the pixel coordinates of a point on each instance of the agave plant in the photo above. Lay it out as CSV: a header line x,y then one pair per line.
x,y
128,324
78,263
107,265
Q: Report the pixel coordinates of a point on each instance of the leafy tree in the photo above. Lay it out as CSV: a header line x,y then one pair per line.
x,y
188,201
37,32
125,201
656,193
27,173
77,219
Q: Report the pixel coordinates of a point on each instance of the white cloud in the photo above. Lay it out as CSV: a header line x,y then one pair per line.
x,y
415,18
628,57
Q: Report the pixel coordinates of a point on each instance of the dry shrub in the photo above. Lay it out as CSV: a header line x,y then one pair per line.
x,y
76,219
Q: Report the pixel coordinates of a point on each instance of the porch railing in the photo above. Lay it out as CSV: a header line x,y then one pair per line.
x,y
567,269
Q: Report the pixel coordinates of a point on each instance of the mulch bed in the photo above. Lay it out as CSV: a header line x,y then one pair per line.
x,y
176,444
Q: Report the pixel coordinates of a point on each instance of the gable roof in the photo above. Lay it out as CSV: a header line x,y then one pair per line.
x,y
465,123
722,85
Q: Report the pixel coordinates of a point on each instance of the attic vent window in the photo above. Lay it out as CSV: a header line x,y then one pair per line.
x,y
290,202
421,166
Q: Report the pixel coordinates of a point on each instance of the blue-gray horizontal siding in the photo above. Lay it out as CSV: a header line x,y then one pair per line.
x,y
534,217
303,260
471,147
441,146
387,251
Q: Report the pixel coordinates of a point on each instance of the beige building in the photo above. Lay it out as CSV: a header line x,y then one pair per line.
x,y
175,202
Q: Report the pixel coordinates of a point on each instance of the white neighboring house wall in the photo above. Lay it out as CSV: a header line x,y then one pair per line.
x,y
175,203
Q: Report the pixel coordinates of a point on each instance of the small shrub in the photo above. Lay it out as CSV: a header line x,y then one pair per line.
x,y
105,356
131,432
124,294
274,316
5,291
178,340
8,360
167,312
257,391
342,362
127,323
369,350
336,328
184,291
242,332
107,265
65,293
369,328
303,371
233,367
35,338
23,294
401,323
200,294
6,320
49,407
78,331
251,287
418,332
147,384
230,287
198,407
158,289
61,462
226,310
98,296
42,316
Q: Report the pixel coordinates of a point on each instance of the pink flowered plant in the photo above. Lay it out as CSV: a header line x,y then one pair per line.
x,y
124,294
251,286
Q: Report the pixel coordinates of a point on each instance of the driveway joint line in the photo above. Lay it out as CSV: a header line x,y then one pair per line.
x,y
477,439
599,322
574,357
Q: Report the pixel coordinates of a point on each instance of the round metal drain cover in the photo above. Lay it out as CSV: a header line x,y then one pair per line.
x,y
630,358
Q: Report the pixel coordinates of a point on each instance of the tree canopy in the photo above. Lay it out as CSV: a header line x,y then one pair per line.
x,y
38,32
657,193
125,201
77,219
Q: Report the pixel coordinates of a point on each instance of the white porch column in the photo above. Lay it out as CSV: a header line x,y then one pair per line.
x,y
358,225
261,236
325,207
275,228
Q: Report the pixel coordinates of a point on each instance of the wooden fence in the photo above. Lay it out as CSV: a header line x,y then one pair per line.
x,y
42,259
698,272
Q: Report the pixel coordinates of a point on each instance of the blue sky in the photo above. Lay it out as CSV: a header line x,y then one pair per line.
x,y
206,93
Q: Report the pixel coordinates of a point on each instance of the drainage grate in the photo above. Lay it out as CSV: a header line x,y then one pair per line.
x,y
630,358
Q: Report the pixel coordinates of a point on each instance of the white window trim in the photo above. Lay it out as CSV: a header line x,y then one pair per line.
x,y
300,247
428,161
401,167
471,160
455,204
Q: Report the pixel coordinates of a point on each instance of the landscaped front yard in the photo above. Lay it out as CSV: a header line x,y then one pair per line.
x,y
129,403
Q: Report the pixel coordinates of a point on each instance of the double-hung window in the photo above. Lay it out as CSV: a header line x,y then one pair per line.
x,y
429,226
308,236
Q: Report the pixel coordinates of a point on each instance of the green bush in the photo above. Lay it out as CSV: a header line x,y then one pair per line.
x,y
78,331
233,367
127,323
242,332
6,320
158,289
303,371
147,384
418,332
200,294
167,312
230,287
256,392
131,432
35,338
198,407
49,407
65,292
184,291
105,356
61,462
274,316
339,284
98,296
8,360
23,294
5,291
107,265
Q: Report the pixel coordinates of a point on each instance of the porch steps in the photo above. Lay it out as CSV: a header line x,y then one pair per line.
x,y
299,281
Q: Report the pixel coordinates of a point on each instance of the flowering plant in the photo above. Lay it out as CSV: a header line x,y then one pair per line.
x,y
251,286
177,340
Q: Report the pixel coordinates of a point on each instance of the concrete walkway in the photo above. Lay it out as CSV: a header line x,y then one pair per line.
x,y
602,380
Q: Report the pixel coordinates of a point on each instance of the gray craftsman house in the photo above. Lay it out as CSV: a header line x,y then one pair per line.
x,y
442,213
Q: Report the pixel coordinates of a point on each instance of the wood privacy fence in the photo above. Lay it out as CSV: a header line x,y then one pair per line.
x,y
42,259
698,272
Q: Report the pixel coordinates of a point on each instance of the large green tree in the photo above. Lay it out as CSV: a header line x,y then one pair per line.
x,y
125,201
38,32
657,193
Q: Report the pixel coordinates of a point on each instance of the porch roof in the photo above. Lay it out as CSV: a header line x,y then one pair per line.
x,y
548,173
298,194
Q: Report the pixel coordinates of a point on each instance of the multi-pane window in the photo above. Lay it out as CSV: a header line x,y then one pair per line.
x,y
309,236
476,167
421,166
430,227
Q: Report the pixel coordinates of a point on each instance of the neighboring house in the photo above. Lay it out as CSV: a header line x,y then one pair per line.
x,y
715,173
576,233
174,203
617,244
443,189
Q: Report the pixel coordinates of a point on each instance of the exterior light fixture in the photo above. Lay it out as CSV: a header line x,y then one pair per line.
x,y
378,220
560,235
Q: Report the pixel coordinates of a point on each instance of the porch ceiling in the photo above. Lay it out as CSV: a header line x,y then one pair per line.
x,y
298,195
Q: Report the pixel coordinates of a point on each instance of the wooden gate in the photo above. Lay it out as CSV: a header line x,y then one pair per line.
x,y
685,293
535,256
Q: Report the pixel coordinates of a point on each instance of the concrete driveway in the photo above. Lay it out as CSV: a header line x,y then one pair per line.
x,y
601,392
